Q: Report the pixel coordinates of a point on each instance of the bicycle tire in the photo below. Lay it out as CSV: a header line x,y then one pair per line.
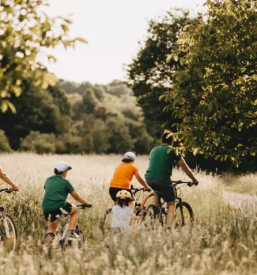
x,y
10,247
153,216
105,222
184,214
46,248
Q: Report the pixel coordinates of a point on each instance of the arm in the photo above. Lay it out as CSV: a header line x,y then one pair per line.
x,y
142,181
6,179
187,170
76,197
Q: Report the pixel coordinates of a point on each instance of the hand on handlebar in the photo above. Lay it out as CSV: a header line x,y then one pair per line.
x,y
194,182
89,205
147,189
14,188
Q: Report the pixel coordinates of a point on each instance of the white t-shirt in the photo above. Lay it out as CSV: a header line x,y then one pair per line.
x,y
121,216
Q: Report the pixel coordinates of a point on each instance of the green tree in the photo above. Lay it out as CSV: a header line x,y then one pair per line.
x,y
4,143
119,138
37,110
214,95
39,143
150,75
25,30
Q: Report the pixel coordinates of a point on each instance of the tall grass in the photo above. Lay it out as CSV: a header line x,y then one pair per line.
x,y
223,240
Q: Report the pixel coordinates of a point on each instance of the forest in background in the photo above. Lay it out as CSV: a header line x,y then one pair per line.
x,y
75,118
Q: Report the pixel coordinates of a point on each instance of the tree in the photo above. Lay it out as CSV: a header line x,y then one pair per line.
x,y
25,30
214,95
4,143
37,110
150,75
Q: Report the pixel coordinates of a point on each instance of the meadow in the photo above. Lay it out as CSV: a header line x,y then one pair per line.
x,y
223,240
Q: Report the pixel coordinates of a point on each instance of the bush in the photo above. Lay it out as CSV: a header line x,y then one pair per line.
x,y
4,142
39,143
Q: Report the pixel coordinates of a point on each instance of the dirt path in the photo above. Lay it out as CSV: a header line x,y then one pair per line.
x,y
238,200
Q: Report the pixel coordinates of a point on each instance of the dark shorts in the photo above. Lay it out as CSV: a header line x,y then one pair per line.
x,y
113,192
163,187
56,214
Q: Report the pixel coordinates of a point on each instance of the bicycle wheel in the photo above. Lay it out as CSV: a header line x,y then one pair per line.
x,y
184,214
153,216
105,223
47,243
8,234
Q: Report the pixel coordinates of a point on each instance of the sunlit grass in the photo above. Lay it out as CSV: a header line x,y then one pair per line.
x,y
223,240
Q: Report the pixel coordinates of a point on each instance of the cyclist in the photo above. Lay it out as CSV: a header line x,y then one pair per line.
x,y
54,203
161,161
123,175
7,179
121,213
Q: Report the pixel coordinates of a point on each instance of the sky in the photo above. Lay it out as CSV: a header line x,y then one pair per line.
x,y
113,29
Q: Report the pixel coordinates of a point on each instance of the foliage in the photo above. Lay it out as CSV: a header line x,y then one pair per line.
x,y
39,143
214,94
25,31
37,110
150,75
4,143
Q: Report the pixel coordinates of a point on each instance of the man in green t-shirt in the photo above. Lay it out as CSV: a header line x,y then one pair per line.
x,y
159,172
54,203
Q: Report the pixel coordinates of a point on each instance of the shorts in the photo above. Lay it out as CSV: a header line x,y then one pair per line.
x,y
113,192
164,187
56,214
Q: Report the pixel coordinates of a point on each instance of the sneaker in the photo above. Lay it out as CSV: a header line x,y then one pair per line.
x,y
72,237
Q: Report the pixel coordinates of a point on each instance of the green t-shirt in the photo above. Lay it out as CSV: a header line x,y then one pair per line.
x,y
57,189
161,161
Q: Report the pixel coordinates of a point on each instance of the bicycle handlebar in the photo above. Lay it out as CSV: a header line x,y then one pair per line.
x,y
138,189
83,206
177,182
6,190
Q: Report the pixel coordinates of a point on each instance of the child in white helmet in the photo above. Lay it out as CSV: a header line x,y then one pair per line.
x,y
121,214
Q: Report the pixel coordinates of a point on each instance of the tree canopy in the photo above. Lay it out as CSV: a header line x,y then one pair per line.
x,y
214,94
25,31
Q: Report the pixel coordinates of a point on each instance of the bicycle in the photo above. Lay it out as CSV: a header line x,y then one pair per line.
x,y
8,232
105,222
51,241
184,212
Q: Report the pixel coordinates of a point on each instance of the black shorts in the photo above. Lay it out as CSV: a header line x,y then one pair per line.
x,y
56,214
164,187
113,192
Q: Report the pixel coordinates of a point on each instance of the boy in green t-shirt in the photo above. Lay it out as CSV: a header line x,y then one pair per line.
x,y
54,203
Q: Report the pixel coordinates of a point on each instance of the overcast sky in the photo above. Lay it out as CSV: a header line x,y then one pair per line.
x,y
112,29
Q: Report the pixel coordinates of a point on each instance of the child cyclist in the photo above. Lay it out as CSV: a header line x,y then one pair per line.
x,y
122,215
123,175
54,204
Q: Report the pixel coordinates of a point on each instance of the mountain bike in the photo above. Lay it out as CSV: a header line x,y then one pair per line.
x,y
8,232
105,222
51,241
184,212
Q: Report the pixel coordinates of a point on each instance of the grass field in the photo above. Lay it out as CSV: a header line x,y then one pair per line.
x,y
222,241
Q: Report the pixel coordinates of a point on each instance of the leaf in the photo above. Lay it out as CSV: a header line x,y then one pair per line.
x,y
52,58
65,28
196,150
80,39
211,105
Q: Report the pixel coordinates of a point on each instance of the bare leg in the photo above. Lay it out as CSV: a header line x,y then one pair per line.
x,y
52,226
170,213
155,199
73,219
